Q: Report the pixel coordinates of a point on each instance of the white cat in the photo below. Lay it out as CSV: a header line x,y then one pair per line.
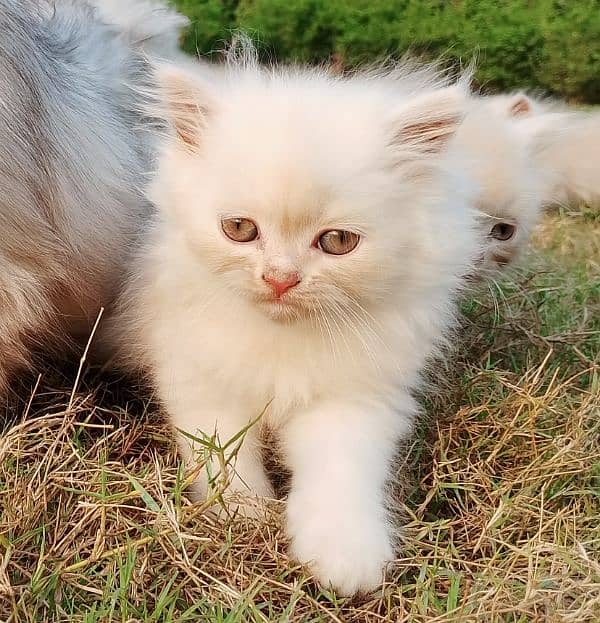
x,y
565,145
511,182
311,240
527,154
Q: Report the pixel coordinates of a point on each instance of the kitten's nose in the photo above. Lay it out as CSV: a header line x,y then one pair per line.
x,y
281,284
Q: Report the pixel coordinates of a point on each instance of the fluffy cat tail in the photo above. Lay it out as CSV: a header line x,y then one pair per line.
x,y
149,24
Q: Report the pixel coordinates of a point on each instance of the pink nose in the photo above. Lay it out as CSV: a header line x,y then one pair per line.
x,y
280,285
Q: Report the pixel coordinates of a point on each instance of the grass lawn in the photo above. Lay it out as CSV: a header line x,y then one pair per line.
x,y
502,509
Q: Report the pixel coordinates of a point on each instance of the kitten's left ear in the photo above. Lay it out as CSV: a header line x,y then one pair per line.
x,y
185,103
426,124
519,105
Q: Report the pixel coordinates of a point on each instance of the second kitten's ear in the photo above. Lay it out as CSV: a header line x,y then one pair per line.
x,y
426,124
185,103
520,105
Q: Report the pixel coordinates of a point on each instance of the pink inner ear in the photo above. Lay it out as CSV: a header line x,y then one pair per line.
x,y
184,107
188,122
432,134
521,107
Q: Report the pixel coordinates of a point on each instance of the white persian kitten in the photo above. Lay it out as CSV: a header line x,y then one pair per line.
x,y
511,182
311,240
526,154
565,144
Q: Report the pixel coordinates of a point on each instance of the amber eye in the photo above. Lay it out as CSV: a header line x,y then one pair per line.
x,y
240,229
338,242
503,231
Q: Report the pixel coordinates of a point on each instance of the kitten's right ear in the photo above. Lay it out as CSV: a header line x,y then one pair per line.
x,y
427,123
185,103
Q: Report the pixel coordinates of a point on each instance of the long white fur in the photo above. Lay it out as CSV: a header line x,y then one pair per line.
x,y
300,151
565,144
568,146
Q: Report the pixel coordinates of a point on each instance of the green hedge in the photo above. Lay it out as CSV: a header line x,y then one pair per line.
x,y
548,45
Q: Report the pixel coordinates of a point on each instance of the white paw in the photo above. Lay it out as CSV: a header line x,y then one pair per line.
x,y
347,550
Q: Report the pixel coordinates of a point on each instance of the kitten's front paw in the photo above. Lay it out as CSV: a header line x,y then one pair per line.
x,y
348,551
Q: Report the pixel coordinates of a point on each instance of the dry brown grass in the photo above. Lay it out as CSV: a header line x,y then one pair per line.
x,y
502,515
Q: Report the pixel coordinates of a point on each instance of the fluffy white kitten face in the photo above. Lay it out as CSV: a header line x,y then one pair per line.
x,y
509,200
301,204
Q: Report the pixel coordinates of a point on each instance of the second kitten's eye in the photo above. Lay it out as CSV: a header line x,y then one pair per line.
x,y
239,229
338,242
503,231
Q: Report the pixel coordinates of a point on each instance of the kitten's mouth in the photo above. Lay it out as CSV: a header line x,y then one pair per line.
x,y
282,308
283,302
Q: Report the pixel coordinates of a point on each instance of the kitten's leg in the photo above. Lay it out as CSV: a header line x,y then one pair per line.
x,y
340,455
193,413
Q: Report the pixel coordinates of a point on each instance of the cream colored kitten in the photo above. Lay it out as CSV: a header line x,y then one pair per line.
x,y
311,240
565,144
527,154
511,182
568,148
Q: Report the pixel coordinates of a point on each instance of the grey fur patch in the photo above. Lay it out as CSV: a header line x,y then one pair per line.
x,y
75,155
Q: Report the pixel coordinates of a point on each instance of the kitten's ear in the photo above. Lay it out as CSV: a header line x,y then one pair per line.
x,y
520,105
185,103
427,123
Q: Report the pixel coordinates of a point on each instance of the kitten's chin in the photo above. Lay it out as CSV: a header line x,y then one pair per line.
x,y
284,311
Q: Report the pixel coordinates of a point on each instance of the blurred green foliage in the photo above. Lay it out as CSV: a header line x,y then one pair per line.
x,y
547,45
